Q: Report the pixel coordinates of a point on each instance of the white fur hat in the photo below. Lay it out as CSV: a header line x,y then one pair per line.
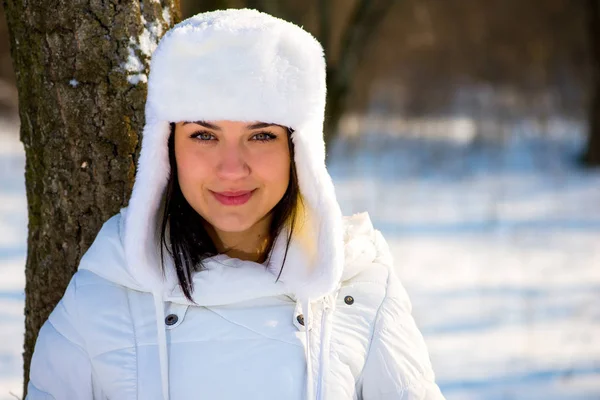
x,y
241,65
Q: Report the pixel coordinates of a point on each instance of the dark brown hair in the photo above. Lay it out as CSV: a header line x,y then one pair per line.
x,y
182,232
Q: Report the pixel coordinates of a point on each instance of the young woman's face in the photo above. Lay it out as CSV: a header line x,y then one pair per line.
x,y
232,173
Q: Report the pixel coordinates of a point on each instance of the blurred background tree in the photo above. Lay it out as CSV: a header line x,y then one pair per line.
x,y
592,152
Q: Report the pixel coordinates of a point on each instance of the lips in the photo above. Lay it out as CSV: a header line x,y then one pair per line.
x,y
233,198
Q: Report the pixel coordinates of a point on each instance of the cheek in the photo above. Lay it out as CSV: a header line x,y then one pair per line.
x,y
192,171
274,171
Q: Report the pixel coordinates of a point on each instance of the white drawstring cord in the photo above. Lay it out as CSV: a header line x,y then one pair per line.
x,y
309,372
161,338
328,305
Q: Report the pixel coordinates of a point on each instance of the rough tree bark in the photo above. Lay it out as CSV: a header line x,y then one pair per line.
x,y
81,70
592,153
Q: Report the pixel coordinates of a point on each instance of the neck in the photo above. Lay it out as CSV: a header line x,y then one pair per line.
x,y
248,245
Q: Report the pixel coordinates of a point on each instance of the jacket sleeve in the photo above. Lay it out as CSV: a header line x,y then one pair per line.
x,y
397,365
60,366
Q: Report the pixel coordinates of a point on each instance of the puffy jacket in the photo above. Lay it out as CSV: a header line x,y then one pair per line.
x,y
246,337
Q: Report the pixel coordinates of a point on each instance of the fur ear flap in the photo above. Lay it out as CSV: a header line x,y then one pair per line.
x,y
141,224
315,260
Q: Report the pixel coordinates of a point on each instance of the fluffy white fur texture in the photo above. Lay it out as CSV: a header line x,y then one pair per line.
x,y
241,65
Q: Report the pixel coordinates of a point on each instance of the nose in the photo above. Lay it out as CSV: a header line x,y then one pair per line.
x,y
232,163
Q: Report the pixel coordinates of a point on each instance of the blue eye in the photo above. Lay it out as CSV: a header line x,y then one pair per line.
x,y
205,136
264,137
202,136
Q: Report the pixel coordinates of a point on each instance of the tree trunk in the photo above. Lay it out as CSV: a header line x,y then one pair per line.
x,y
365,18
81,70
592,153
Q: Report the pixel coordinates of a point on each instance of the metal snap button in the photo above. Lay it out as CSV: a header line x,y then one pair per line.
x,y
349,300
300,319
171,319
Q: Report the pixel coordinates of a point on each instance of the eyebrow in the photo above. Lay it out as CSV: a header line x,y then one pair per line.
x,y
208,125
204,124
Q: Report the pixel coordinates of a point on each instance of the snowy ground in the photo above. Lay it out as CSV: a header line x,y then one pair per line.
x,y
497,244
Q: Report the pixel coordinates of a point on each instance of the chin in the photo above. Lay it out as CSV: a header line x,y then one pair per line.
x,y
233,223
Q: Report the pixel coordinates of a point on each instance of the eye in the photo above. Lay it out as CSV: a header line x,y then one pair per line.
x,y
203,136
264,137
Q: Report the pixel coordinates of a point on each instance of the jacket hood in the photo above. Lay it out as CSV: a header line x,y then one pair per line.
x,y
225,280
240,65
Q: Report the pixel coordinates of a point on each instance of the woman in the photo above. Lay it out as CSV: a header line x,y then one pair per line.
x,y
232,273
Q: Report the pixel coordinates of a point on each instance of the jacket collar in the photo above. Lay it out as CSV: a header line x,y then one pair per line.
x,y
226,280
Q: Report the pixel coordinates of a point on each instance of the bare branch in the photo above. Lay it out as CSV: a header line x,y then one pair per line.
x,y
365,18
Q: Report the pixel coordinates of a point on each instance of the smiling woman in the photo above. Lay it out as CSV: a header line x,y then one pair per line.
x,y
232,273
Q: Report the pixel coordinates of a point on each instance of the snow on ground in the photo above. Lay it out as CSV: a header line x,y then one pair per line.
x,y
498,245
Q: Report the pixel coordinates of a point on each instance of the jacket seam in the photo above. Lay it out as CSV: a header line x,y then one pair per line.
x,y
80,347
77,318
187,341
135,346
251,330
122,348
46,394
349,284
373,330
83,346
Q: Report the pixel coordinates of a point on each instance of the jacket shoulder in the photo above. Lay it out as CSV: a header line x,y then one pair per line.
x,y
61,352
106,257
367,254
105,318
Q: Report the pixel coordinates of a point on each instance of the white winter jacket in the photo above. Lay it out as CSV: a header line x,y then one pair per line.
x,y
244,338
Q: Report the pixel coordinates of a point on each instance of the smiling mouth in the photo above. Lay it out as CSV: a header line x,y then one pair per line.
x,y
233,198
